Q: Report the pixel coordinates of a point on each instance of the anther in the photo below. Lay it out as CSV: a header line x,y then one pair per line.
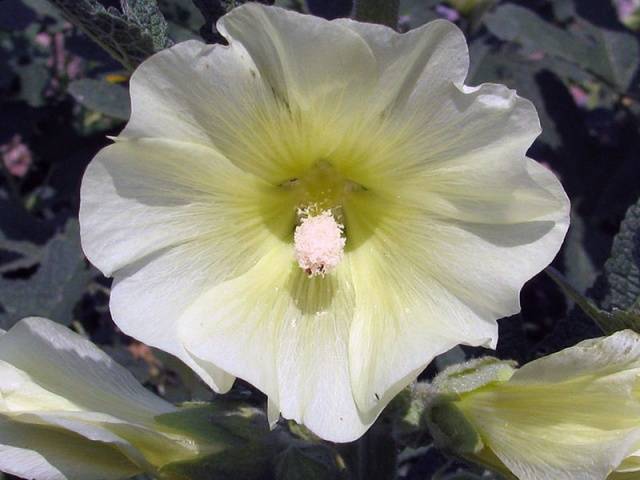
x,y
318,242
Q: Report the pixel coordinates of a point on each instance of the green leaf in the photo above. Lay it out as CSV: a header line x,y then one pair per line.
x,y
102,96
512,23
130,36
43,7
614,55
622,269
384,12
26,255
608,322
251,462
307,462
237,435
55,288
148,16
580,268
373,456
611,56
34,77
417,12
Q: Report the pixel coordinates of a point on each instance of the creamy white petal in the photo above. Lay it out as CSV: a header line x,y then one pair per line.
x,y
439,282
466,131
630,466
554,451
310,62
572,414
432,56
141,197
288,335
148,299
609,357
224,107
65,364
170,219
143,445
238,99
19,393
404,315
43,453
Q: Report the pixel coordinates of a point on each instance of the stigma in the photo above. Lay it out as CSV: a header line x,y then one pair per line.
x,y
318,242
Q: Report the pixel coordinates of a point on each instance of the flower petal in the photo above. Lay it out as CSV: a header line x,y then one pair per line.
x,y
404,317
572,414
467,131
308,61
433,56
456,279
547,447
286,334
169,220
224,108
141,197
610,355
56,360
43,453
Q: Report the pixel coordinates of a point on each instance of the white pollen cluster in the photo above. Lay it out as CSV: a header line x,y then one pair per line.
x,y
319,244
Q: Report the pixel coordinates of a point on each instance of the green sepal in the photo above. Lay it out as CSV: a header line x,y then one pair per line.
x,y
225,424
446,422
472,375
451,430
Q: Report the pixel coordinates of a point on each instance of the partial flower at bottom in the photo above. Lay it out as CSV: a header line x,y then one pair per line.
x,y
319,208
67,411
571,415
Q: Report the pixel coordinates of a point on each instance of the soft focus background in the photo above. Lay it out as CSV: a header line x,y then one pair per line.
x,y
61,95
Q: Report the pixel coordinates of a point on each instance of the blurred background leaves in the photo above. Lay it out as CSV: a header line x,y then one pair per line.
x,y
64,71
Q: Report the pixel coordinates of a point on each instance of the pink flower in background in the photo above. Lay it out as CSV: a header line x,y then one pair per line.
x,y
16,156
629,13
64,65
626,7
580,96
449,13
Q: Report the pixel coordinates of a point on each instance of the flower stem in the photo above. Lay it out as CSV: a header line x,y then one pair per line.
x,y
384,12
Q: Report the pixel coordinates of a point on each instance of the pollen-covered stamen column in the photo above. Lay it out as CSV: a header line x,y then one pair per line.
x,y
318,242
319,238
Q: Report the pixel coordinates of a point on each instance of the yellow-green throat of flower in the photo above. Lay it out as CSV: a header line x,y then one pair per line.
x,y
319,237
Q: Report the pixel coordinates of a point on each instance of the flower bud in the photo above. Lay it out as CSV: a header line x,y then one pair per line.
x,y
571,415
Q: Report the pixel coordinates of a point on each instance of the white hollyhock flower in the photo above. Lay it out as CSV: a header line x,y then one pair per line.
x,y
67,411
319,208
571,415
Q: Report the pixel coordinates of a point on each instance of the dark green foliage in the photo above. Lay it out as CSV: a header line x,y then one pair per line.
x,y
622,270
610,55
102,96
54,289
129,36
306,462
620,307
212,10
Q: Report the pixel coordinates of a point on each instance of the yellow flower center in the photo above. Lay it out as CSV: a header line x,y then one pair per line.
x,y
319,238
